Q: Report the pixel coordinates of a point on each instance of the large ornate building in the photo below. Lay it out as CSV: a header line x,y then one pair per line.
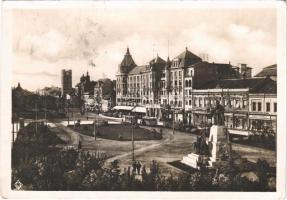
x,y
160,84
187,87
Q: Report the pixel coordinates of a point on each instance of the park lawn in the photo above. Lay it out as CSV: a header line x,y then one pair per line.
x,y
122,132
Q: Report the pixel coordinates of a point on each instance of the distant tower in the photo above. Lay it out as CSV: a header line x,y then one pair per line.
x,y
66,81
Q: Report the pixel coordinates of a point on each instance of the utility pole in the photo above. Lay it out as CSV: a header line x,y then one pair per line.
x,y
13,131
36,115
68,113
173,120
95,129
133,143
45,108
74,119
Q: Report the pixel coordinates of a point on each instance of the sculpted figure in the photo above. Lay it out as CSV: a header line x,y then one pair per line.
x,y
218,114
200,146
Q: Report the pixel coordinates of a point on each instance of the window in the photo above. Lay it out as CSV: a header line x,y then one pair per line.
x,y
199,102
194,102
253,106
244,103
236,103
275,107
259,106
189,102
267,107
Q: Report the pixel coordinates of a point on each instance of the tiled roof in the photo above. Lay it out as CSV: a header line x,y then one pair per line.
x,y
22,91
226,71
187,58
138,69
127,63
187,55
158,60
268,71
256,85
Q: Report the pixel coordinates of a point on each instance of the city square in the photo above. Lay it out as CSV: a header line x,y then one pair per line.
x,y
185,100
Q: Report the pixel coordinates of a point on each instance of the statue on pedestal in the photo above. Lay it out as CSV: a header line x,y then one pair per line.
x,y
218,114
200,146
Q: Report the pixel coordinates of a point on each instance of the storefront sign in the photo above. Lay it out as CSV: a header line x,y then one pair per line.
x,y
262,117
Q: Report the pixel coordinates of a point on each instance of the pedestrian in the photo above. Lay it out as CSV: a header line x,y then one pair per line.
x,y
129,171
80,145
134,165
144,171
138,166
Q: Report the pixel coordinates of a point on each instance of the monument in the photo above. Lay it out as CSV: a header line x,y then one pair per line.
x,y
217,151
219,138
200,155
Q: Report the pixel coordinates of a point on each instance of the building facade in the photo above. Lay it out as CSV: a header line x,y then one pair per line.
x,y
85,92
186,89
104,94
249,104
161,85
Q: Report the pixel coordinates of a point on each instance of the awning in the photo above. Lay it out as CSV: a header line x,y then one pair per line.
x,y
122,108
139,109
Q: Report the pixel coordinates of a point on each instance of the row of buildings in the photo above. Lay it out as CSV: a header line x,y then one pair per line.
x,y
187,87
88,94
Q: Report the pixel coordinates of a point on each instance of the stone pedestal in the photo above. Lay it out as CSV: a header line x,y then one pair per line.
x,y
194,160
219,151
218,138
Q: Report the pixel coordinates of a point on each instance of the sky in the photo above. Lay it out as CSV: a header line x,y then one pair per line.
x,y
45,41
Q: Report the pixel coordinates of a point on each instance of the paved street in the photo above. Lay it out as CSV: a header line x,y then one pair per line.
x,y
170,148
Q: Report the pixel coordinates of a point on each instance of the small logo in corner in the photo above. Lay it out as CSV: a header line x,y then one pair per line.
x,y
18,185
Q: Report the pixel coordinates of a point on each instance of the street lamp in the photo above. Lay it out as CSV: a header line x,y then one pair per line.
x,y
68,113
133,122
133,142
173,119
36,114
95,129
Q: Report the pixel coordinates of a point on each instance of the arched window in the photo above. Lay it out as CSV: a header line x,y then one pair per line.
x,y
189,83
186,83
